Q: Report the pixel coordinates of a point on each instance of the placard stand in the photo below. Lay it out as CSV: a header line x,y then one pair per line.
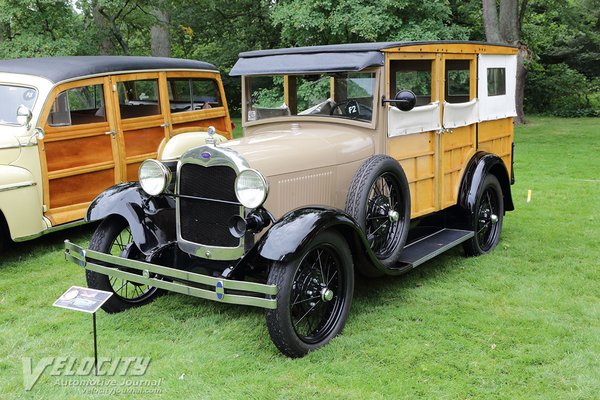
x,y
85,300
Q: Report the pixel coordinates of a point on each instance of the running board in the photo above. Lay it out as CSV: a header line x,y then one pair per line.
x,y
425,248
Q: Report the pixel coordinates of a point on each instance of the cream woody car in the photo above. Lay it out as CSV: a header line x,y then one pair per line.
x,y
357,160
71,127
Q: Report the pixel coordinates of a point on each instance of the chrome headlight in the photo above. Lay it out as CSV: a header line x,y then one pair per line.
x,y
154,177
251,188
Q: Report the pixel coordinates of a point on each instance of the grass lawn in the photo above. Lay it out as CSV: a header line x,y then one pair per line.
x,y
521,323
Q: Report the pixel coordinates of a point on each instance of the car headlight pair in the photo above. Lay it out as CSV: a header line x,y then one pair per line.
x,y
251,187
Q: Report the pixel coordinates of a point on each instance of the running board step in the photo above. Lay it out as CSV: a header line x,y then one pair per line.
x,y
425,248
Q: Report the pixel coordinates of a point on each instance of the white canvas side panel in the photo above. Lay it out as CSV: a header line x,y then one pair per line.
x,y
419,119
496,107
461,114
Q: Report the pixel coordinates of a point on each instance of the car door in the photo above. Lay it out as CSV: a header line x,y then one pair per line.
x,y
458,138
79,159
141,115
412,135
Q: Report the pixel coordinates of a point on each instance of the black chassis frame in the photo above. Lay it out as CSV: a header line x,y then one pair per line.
x,y
152,223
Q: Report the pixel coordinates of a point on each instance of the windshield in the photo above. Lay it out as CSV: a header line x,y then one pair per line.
x,y
341,95
12,97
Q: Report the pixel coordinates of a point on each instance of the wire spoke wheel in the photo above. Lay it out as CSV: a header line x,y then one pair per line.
x,y
314,295
383,211
317,294
113,236
487,219
123,246
379,201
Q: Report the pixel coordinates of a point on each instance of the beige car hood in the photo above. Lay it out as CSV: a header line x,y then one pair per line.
x,y
284,152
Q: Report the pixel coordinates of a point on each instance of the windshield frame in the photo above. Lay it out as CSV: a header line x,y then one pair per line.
x,y
18,85
316,117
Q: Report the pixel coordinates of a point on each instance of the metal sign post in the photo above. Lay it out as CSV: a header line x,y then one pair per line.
x,y
88,301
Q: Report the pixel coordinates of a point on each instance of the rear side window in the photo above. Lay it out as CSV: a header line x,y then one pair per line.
x,y
193,94
496,81
78,106
138,98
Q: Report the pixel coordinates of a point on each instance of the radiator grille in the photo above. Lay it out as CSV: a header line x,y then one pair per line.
x,y
206,221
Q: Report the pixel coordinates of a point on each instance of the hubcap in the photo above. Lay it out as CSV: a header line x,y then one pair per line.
x,y
494,219
326,294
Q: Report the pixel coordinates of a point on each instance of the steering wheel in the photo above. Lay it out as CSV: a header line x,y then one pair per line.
x,y
351,109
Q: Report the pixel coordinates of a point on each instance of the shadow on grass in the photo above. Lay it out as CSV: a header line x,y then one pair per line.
x,y
52,242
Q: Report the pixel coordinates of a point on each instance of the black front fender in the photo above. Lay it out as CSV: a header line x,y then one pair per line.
x,y
480,165
295,231
151,218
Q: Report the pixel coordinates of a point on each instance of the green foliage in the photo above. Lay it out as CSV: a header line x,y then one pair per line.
x,y
558,89
313,22
37,28
557,32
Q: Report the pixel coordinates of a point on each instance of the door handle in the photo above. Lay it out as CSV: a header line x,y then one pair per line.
x,y
165,125
112,133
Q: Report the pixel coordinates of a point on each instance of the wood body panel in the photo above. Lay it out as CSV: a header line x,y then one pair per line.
x,y
497,137
80,161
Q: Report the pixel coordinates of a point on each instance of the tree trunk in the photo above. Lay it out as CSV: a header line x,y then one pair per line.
x,y
490,21
107,47
160,38
505,27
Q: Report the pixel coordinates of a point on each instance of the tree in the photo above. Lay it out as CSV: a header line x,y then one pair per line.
x,y
503,25
160,37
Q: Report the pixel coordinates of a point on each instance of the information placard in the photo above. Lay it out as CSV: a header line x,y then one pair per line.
x,y
82,299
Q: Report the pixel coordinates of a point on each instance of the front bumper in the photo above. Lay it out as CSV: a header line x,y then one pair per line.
x,y
215,289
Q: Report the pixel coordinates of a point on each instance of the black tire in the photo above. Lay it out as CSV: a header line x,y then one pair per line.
x,y
379,200
113,236
309,311
487,220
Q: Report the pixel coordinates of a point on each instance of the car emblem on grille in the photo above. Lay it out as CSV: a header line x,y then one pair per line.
x,y
220,290
206,155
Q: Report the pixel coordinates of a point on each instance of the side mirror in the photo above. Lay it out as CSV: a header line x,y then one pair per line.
x,y
24,116
405,100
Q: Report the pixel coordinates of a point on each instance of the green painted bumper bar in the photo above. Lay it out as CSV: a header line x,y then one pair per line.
x,y
256,294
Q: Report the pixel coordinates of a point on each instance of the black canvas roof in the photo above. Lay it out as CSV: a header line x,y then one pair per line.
x,y
58,69
315,59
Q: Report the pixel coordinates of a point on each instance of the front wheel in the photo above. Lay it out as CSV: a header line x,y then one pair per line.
x,y
113,236
314,297
487,220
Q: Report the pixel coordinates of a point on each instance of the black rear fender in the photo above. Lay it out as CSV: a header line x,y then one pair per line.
x,y
480,165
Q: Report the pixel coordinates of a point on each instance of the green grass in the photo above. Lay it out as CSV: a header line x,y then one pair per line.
x,y
521,323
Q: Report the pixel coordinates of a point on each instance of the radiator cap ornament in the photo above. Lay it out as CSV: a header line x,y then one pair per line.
x,y
211,135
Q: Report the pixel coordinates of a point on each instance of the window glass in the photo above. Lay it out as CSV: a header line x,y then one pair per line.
x,y
312,95
458,81
77,106
496,80
193,94
12,97
138,98
412,75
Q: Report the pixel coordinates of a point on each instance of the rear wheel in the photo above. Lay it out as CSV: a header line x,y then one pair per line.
x,y
487,220
314,297
113,236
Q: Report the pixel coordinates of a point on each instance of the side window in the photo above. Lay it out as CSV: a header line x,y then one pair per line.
x,y
458,81
412,75
77,106
138,98
496,81
193,94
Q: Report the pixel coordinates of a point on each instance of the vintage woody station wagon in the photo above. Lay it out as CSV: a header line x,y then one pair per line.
x,y
362,159
70,127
